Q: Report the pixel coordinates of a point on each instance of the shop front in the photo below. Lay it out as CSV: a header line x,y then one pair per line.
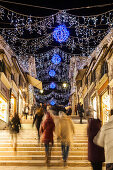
x,y
13,105
3,108
94,106
4,98
105,107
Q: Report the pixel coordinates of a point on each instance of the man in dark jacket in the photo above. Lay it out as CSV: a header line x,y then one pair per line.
x,y
80,111
95,153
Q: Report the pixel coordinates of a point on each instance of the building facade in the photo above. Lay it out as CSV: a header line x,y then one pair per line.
x,y
94,82
14,91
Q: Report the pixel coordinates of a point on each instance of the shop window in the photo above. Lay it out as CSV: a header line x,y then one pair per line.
x,y
12,77
93,77
104,68
80,83
86,81
2,67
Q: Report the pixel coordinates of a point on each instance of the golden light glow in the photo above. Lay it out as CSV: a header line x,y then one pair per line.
x,y
41,91
3,109
64,85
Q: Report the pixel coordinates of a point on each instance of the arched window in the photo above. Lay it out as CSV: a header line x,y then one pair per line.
x,y
104,68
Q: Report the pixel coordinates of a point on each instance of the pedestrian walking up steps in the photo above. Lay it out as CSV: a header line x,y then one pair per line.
x,y
31,153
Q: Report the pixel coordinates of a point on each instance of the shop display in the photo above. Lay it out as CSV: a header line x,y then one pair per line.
x,y
3,109
105,106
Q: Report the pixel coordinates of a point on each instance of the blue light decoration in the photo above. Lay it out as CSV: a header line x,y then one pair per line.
x,y
52,85
61,33
52,102
52,73
56,59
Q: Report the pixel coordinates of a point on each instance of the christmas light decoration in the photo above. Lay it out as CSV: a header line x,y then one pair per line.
x,y
56,59
86,32
52,73
61,33
52,102
52,85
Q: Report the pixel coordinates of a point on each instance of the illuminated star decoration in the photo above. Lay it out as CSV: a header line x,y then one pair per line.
x,y
52,85
52,102
61,33
52,73
56,59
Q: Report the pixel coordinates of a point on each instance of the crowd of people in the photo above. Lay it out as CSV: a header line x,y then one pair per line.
x,y
48,122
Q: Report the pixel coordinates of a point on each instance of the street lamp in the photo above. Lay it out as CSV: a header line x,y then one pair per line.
x,y
64,85
41,91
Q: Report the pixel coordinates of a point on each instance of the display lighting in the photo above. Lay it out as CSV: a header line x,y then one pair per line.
x,y
52,85
52,73
61,33
52,102
56,59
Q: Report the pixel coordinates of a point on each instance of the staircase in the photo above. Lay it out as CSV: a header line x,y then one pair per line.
x,y
31,153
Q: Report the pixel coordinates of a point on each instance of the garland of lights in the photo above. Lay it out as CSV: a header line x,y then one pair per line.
x,y
53,94
41,25
85,40
87,30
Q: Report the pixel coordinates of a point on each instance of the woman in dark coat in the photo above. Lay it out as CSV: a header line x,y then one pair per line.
x,y
95,153
38,119
46,130
14,126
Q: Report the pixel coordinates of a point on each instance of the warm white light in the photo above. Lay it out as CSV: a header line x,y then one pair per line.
x,y
41,91
64,85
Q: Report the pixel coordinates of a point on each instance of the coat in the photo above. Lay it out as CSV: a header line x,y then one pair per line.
x,y
46,129
37,120
104,138
14,125
66,129
80,109
95,153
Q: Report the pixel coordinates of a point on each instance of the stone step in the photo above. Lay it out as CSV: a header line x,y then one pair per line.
x,y
42,157
41,149
32,141
42,163
72,153
40,145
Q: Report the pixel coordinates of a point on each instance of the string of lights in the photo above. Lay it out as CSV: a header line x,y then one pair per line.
x,y
62,17
51,31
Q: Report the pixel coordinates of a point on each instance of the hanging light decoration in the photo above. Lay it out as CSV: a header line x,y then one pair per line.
x,y
52,73
61,33
52,85
52,102
56,59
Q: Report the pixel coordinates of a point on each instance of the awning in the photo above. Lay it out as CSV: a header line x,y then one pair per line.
x,y
80,74
34,82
